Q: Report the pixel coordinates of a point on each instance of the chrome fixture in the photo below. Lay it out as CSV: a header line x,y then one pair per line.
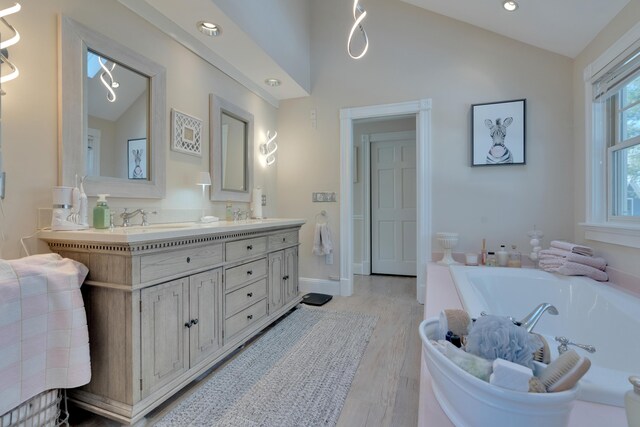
x,y
532,318
272,82
209,28
510,5
269,148
126,216
358,15
564,343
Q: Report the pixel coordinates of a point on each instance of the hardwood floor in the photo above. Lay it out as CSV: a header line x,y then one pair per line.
x,y
385,389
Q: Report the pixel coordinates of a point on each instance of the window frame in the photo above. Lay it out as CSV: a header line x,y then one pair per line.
x,y
599,224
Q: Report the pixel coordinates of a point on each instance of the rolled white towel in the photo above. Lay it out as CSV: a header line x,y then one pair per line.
x,y
595,262
572,247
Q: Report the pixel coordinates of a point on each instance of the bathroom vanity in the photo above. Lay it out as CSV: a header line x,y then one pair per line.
x,y
167,302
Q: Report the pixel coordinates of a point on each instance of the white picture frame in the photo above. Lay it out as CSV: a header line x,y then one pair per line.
x,y
186,133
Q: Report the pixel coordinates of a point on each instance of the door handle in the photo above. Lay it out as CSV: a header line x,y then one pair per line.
x,y
250,294
249,272
249,317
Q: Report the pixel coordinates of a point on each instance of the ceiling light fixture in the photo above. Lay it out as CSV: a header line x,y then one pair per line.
x,y
208,28
510,5
272,82
358,15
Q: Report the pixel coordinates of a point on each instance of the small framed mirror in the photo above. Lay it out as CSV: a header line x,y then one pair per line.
x,y
231,135
112,116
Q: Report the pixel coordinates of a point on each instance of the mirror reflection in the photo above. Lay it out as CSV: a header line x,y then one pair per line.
x,y
117,119
234,147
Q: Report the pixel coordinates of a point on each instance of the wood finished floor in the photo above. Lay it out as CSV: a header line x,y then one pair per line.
x,y
385,389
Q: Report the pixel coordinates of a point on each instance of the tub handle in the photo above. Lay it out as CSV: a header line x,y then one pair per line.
x,y
564,343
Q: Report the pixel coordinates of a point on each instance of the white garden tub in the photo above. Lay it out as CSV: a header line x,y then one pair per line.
x,y
589,313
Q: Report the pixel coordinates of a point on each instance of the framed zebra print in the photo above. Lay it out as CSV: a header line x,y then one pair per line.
x,y
498,133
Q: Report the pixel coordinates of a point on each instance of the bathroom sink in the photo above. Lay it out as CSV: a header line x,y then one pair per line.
x,y
155,227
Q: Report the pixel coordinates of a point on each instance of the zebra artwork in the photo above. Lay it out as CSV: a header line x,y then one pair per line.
x,y
498,153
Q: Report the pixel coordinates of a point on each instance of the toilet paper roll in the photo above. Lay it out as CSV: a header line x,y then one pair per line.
x,y
256,203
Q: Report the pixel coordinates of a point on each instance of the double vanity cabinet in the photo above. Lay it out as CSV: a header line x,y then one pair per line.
x,y
166,303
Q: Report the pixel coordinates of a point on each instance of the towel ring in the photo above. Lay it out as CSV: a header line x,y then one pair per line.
x,y
322,216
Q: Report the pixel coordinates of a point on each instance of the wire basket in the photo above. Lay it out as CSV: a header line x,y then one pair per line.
x,y
47,409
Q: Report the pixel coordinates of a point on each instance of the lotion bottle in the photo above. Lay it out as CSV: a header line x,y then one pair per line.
x,y
503,256
632,402
101,213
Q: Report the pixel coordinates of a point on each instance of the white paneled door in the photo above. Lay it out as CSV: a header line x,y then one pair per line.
x,y
393,207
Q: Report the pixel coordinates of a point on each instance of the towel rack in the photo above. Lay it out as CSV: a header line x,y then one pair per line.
x,y
322,216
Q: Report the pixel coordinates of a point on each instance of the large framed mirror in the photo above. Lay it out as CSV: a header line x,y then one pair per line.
x,y
231,159
112,116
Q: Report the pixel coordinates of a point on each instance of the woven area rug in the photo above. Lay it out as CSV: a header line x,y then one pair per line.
x,y
296,374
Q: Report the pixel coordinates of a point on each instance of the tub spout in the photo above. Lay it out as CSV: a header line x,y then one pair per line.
x,y
532,318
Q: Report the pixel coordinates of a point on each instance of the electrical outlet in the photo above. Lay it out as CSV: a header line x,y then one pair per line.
x,y
264,200
3,177
328,259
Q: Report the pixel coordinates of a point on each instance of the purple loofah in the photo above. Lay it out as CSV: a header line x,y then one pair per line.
x,y
493,337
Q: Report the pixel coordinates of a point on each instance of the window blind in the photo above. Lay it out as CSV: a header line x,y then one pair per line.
x,y
618,73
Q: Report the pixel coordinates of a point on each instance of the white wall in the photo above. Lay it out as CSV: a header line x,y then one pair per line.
x,y
30,111
619,257
416,54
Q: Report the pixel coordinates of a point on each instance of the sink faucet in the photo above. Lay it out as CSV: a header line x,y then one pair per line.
x,y
126,216
532,318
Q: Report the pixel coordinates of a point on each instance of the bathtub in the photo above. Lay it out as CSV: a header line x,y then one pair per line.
x,y
589,313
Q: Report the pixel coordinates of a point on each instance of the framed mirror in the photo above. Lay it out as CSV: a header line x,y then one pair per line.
x,y
112,116
231,162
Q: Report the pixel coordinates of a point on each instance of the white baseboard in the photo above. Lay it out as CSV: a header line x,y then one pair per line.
x,y
320,286
358,268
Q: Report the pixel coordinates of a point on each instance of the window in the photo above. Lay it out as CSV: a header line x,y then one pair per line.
x,y
612,88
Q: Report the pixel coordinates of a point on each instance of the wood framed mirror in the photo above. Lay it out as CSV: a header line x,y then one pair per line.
x,y
109,95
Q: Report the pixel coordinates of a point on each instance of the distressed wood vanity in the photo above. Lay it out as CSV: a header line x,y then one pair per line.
x,y
165,303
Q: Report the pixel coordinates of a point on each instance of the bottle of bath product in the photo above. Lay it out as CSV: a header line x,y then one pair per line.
x,y
101,213
632,402
515,259
503,256
229,212
491,259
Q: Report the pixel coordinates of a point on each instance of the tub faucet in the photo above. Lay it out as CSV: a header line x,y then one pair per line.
x,y
532,318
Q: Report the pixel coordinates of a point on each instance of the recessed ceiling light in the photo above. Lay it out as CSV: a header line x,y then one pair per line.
x,y
272,82
510,5
209,29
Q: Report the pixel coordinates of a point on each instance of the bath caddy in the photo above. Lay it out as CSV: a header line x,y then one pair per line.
x,y
469,401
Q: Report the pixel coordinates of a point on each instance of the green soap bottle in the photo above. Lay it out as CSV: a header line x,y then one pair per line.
x,y
101,213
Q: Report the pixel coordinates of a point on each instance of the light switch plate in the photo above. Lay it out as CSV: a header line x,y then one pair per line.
x,y
323,196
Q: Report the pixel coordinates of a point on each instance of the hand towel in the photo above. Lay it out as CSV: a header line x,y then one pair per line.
x,y
317,242
574,269
322,240
553,252
572,247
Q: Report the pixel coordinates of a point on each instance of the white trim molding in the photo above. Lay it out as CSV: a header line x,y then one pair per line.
x,y
422,110
597,227
329,287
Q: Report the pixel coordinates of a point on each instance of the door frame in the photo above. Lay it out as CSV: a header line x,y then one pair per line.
x,y
422,110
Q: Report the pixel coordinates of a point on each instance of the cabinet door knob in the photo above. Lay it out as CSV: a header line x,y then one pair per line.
x,y
284,239
250,294
250,316
188,260
250,247
249,272
187,325
194,321
285,278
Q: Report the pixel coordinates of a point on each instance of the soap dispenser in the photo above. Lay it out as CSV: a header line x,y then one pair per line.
x,y
632,402
101,213
503,256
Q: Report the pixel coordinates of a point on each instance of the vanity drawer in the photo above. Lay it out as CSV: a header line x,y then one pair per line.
x,y
246,248
245,296
245,273
281,240
245,318
174,262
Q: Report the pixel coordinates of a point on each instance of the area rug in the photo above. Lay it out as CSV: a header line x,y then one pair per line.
x,y
296,374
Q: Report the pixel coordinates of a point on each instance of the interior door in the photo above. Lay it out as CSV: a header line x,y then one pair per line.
x,y
393,207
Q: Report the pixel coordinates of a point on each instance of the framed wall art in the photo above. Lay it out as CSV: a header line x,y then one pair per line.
x,y
186,133
137,158
498,133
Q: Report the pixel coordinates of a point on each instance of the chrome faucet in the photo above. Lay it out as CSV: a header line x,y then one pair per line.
x,y
126,216
565,343
532,318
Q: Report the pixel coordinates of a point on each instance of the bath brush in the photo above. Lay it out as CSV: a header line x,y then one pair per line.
x,y
543,354
454,320
564,372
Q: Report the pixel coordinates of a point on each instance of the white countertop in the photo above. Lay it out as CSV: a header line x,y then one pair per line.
x,y
138,233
